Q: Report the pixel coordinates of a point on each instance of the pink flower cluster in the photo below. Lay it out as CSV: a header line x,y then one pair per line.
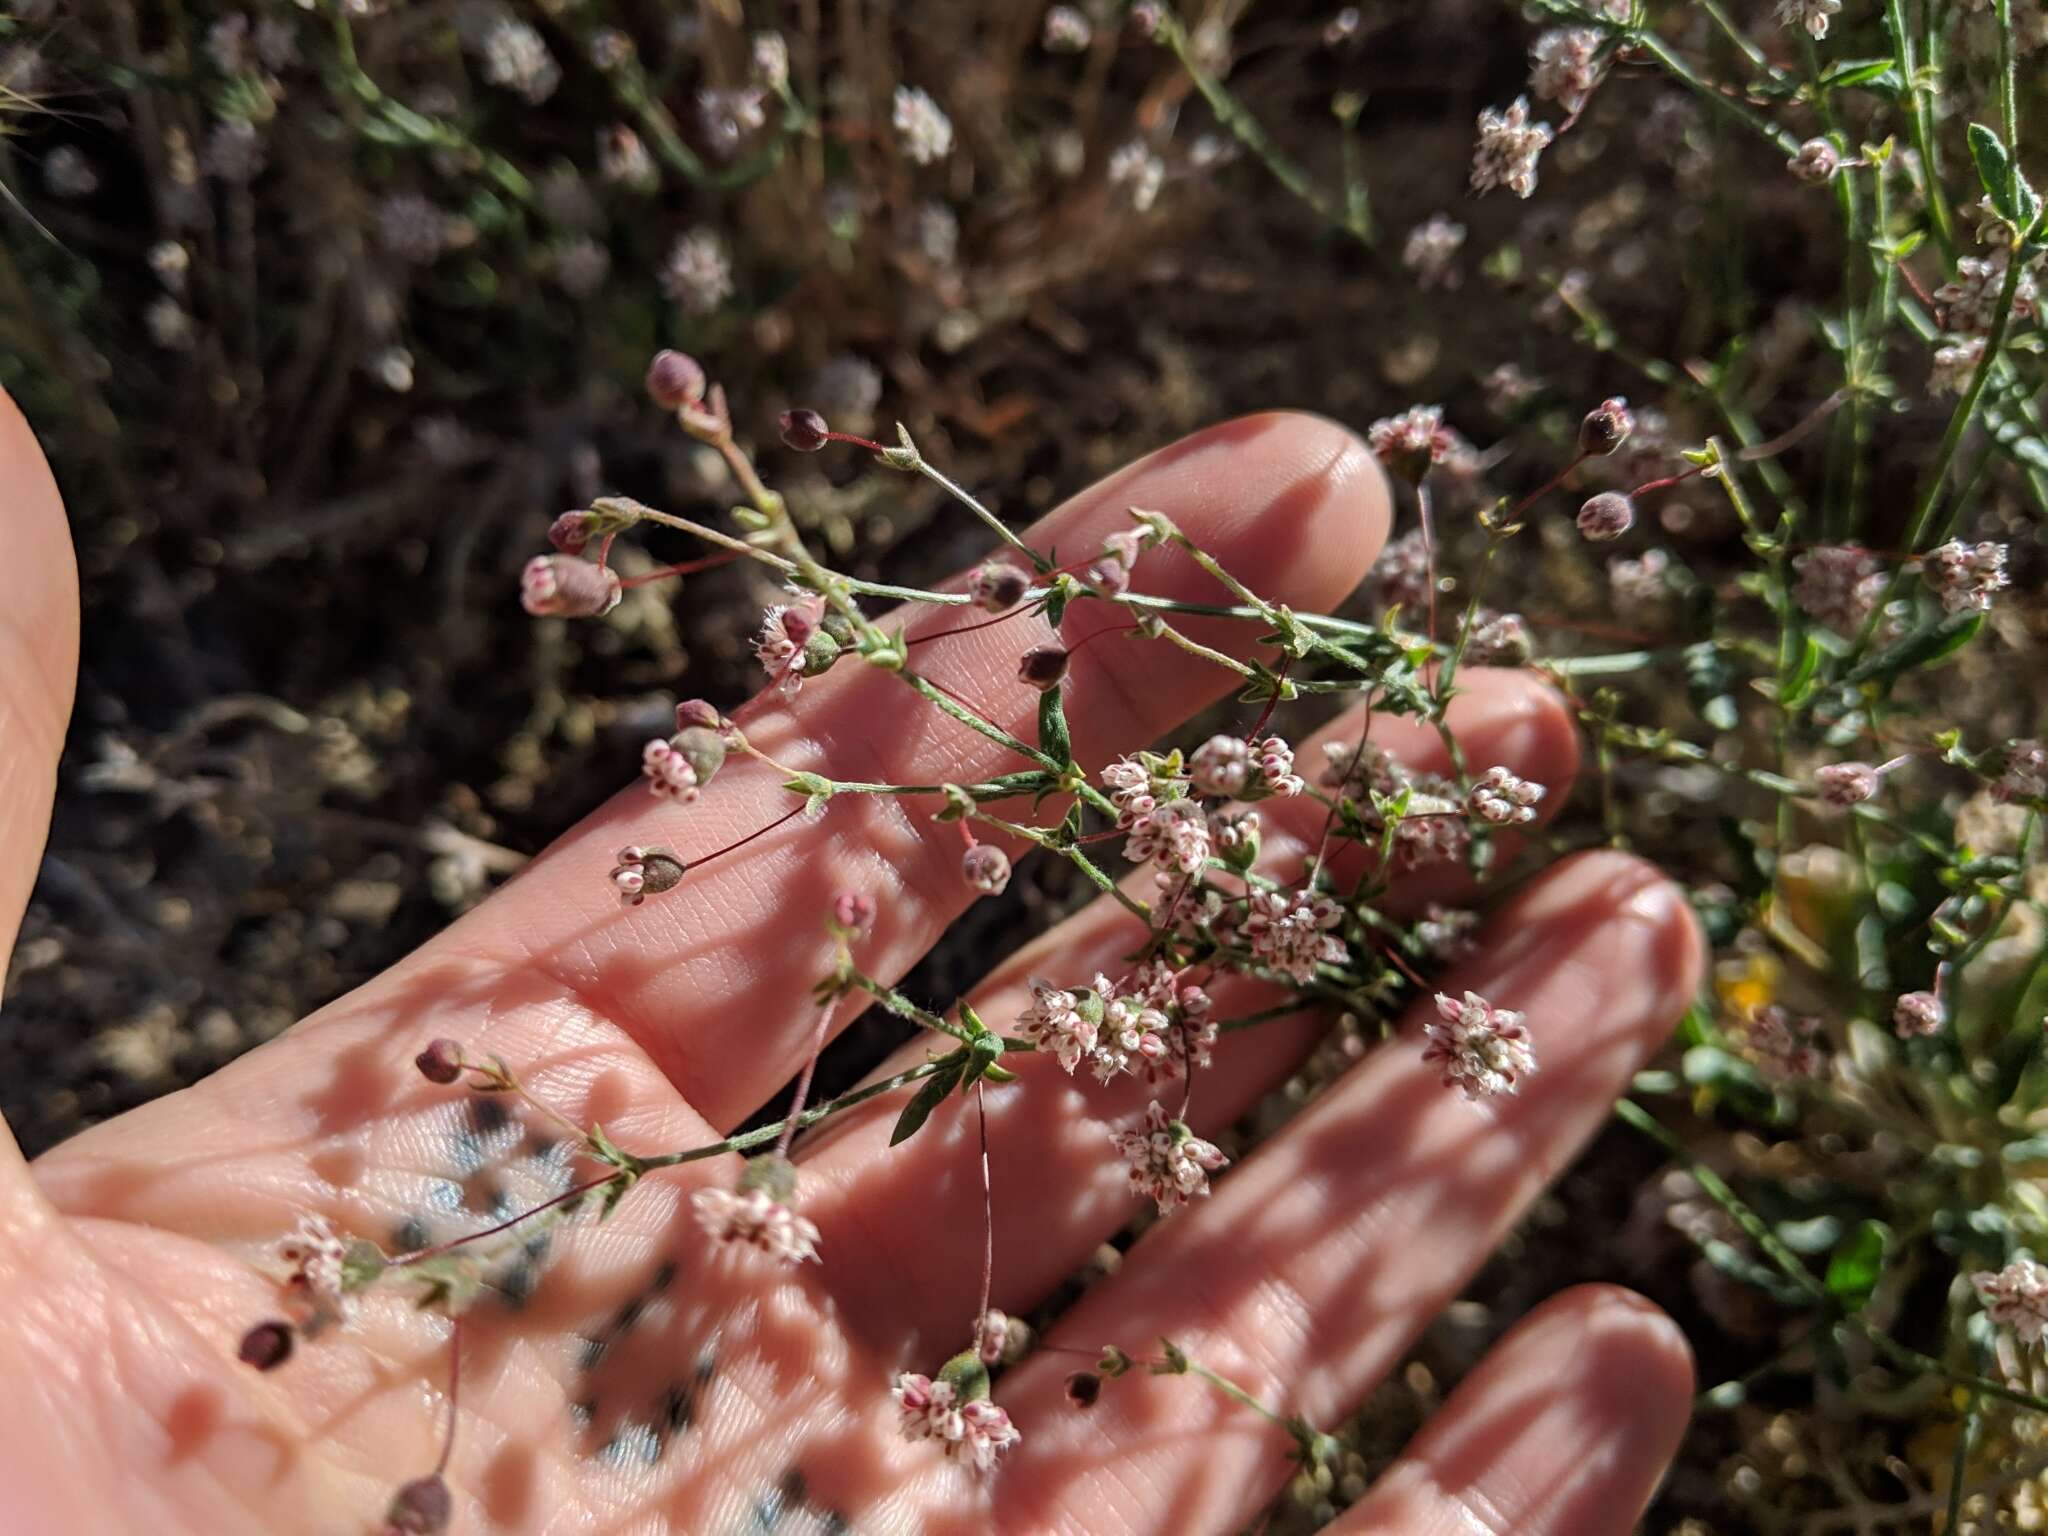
x,y
1503,799
1155,1022
755,1219
1839,584
668,771
313,1289
1482,1051
1166,1160
1782,1043
2016,1297
1965,576
976,1432
1290,931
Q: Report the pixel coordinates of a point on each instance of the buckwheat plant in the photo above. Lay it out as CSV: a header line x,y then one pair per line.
x,y
1220,931
1780,568
1815,571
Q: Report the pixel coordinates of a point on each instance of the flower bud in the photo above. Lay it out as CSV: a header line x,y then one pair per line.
x,y
703,748
440,1062
1043,666
1817,160
804,430
422,1507
695,712
986,868
997,586
561,587
1918,1013
820,652
1842,785
644,872
1125,546
674,380
967,1376
853,913
267,1345
571,531
1606,427
1606,516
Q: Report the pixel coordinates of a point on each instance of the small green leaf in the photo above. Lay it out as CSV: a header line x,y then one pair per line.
x,y
1799,682
1857,1262
928,1098
1053,739
1922,648
1848,72
2003,183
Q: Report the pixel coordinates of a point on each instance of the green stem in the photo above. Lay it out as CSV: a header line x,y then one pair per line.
x,y
768,1135
1353,218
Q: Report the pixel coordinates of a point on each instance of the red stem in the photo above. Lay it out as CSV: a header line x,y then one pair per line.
x,y
686,568
419,1255
968,629
757,832
803,1084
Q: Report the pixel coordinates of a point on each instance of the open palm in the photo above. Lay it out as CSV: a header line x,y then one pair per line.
x,y
633,1377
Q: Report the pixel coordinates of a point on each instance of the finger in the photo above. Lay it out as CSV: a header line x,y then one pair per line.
x,y
1291,503
38,670
1059,1190
1316,1264
38,659
1563,1430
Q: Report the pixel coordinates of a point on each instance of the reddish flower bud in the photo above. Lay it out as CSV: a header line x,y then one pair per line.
x,y
1606,427
986,868
422,1507
1043,666
571,531
697,712
440,1062
853,913
1606,516
674,380
803,430
1817,160
266,1346
998,586
558,586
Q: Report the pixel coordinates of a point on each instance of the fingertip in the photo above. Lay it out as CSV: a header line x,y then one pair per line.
x,y
38,654
1640,1369
39,579
1633,914
1292,504
1511,716
1564,1429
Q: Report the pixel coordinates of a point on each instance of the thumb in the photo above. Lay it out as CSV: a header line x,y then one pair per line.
x,y
38,673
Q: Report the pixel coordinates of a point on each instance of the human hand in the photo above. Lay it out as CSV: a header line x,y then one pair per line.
x,y
648,1380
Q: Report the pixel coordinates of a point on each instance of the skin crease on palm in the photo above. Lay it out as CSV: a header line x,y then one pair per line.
x,y
646,1381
